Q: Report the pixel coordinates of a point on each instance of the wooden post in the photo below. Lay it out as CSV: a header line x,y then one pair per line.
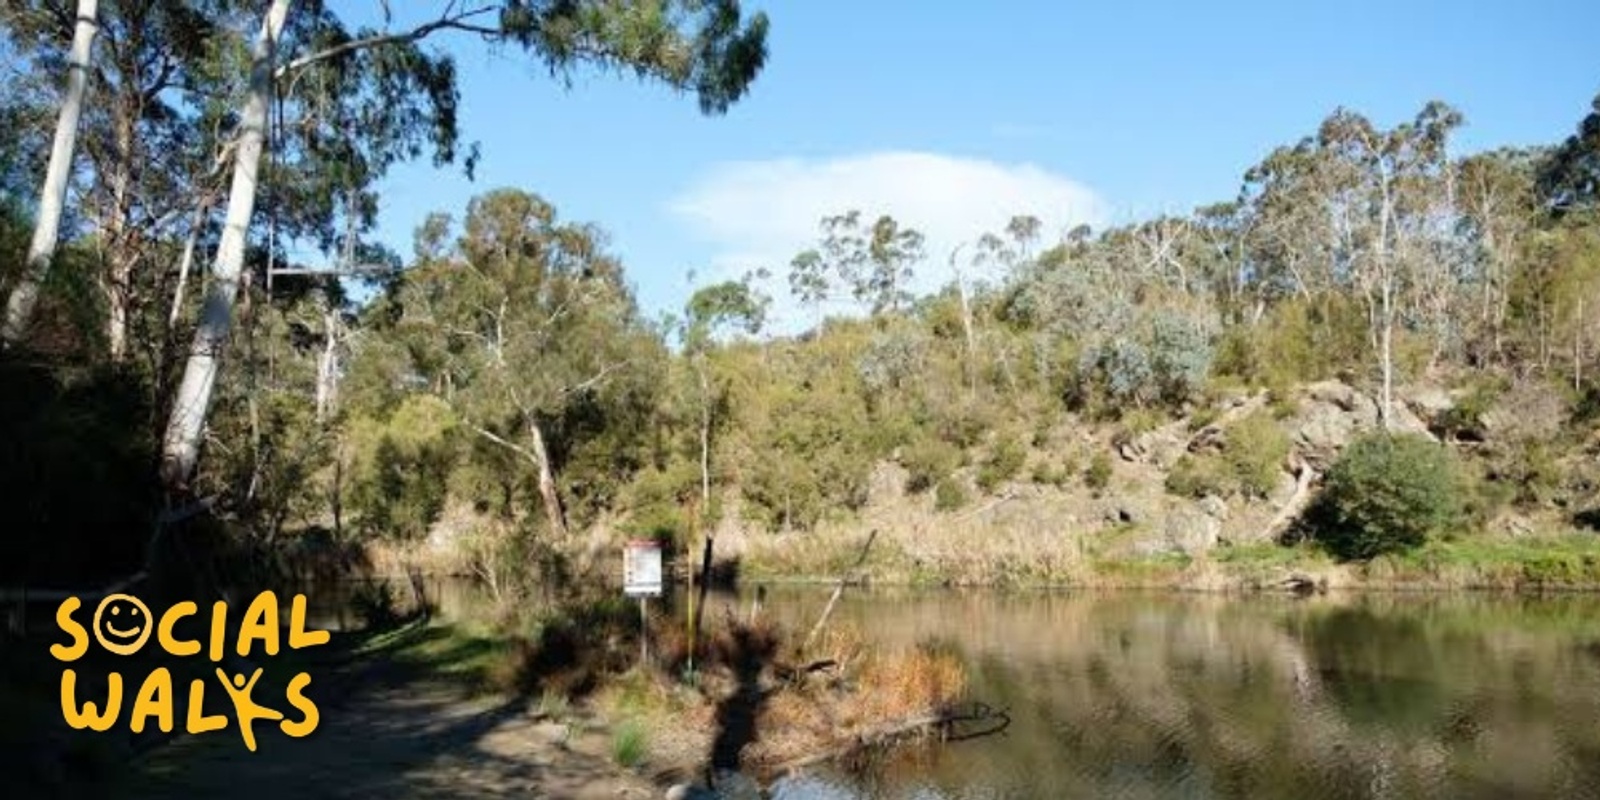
x,y
644,631
688,562
642,578
705,585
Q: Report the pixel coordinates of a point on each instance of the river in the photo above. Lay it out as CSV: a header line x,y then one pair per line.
x,y
1162,695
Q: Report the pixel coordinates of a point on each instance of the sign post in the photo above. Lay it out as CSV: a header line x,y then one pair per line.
x,y
641,578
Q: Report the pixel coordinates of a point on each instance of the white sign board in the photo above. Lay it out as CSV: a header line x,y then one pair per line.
x,y
641,569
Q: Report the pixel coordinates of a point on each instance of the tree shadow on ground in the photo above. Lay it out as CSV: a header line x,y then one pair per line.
x,y
390,728
747,651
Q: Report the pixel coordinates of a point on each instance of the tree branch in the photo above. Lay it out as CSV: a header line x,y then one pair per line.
x,y
507,443
457,22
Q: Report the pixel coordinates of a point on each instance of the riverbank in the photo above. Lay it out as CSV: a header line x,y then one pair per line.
x,y
930,557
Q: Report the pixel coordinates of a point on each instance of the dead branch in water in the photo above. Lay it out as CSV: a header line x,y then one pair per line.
x,y
944,724
838,590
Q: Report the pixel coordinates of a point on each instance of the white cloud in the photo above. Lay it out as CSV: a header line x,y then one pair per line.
x,y
761,213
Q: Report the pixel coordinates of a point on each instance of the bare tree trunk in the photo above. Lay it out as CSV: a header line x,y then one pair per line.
x,y
186,263
119,303
966,320
1386,275
1386,355
705,441
47,229
121,235
328,364
181,446
547,481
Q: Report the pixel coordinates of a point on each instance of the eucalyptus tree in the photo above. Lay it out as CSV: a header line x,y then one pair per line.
x,y
1385,204
711,312
1221,231
47,223
1496,195
690,45
875,261
149,137
893,251
1291,236
515,324
1570,179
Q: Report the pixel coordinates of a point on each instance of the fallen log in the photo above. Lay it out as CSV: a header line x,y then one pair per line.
x,y
943,723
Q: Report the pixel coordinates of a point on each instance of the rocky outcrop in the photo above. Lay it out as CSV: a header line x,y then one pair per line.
x,y
1333,413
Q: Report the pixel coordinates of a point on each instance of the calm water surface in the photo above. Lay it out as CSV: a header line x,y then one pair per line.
x,y
1184,696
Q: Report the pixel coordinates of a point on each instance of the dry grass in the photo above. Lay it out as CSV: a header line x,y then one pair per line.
x,y
866,688
1033,538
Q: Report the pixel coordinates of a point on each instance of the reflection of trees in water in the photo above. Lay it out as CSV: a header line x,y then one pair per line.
x,y
1146,696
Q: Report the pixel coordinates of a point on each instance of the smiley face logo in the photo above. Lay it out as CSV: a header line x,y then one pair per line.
x,y
122,624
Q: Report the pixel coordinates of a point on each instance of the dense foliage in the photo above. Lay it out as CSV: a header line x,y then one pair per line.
x,y
1388,493
501,382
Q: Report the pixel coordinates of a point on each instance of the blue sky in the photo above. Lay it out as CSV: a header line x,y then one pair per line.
x,y
953,116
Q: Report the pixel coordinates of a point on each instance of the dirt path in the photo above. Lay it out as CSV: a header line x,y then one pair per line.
x,y
397,739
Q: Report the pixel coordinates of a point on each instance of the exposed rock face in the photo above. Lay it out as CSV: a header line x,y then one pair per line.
x,y
1192,531
1335,413
1184,529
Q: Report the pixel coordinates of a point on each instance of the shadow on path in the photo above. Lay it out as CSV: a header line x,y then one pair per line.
x,y
396,733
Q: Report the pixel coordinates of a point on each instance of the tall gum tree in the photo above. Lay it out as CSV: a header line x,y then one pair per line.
x,y
690,45
148,144
47,226
516,324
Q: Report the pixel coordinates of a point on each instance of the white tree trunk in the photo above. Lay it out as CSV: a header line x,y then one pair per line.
x,y
966,320
186,263
705,442
547,482
1386,356
181,445
328,364
1386,275
19,307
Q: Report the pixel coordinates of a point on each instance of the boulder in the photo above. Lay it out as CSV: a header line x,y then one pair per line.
x,y
1186,530
1191,531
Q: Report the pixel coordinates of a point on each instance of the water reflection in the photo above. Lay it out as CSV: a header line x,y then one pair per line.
x,y
1136,696
1156,696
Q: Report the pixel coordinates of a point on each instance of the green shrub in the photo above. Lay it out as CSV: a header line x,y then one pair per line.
x,y
1249,463
929,461
1098,475
1255,452
1387,494
1528,471
949,495
1048,473
1003,464
964,426
1198,476
628,744
1466,416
